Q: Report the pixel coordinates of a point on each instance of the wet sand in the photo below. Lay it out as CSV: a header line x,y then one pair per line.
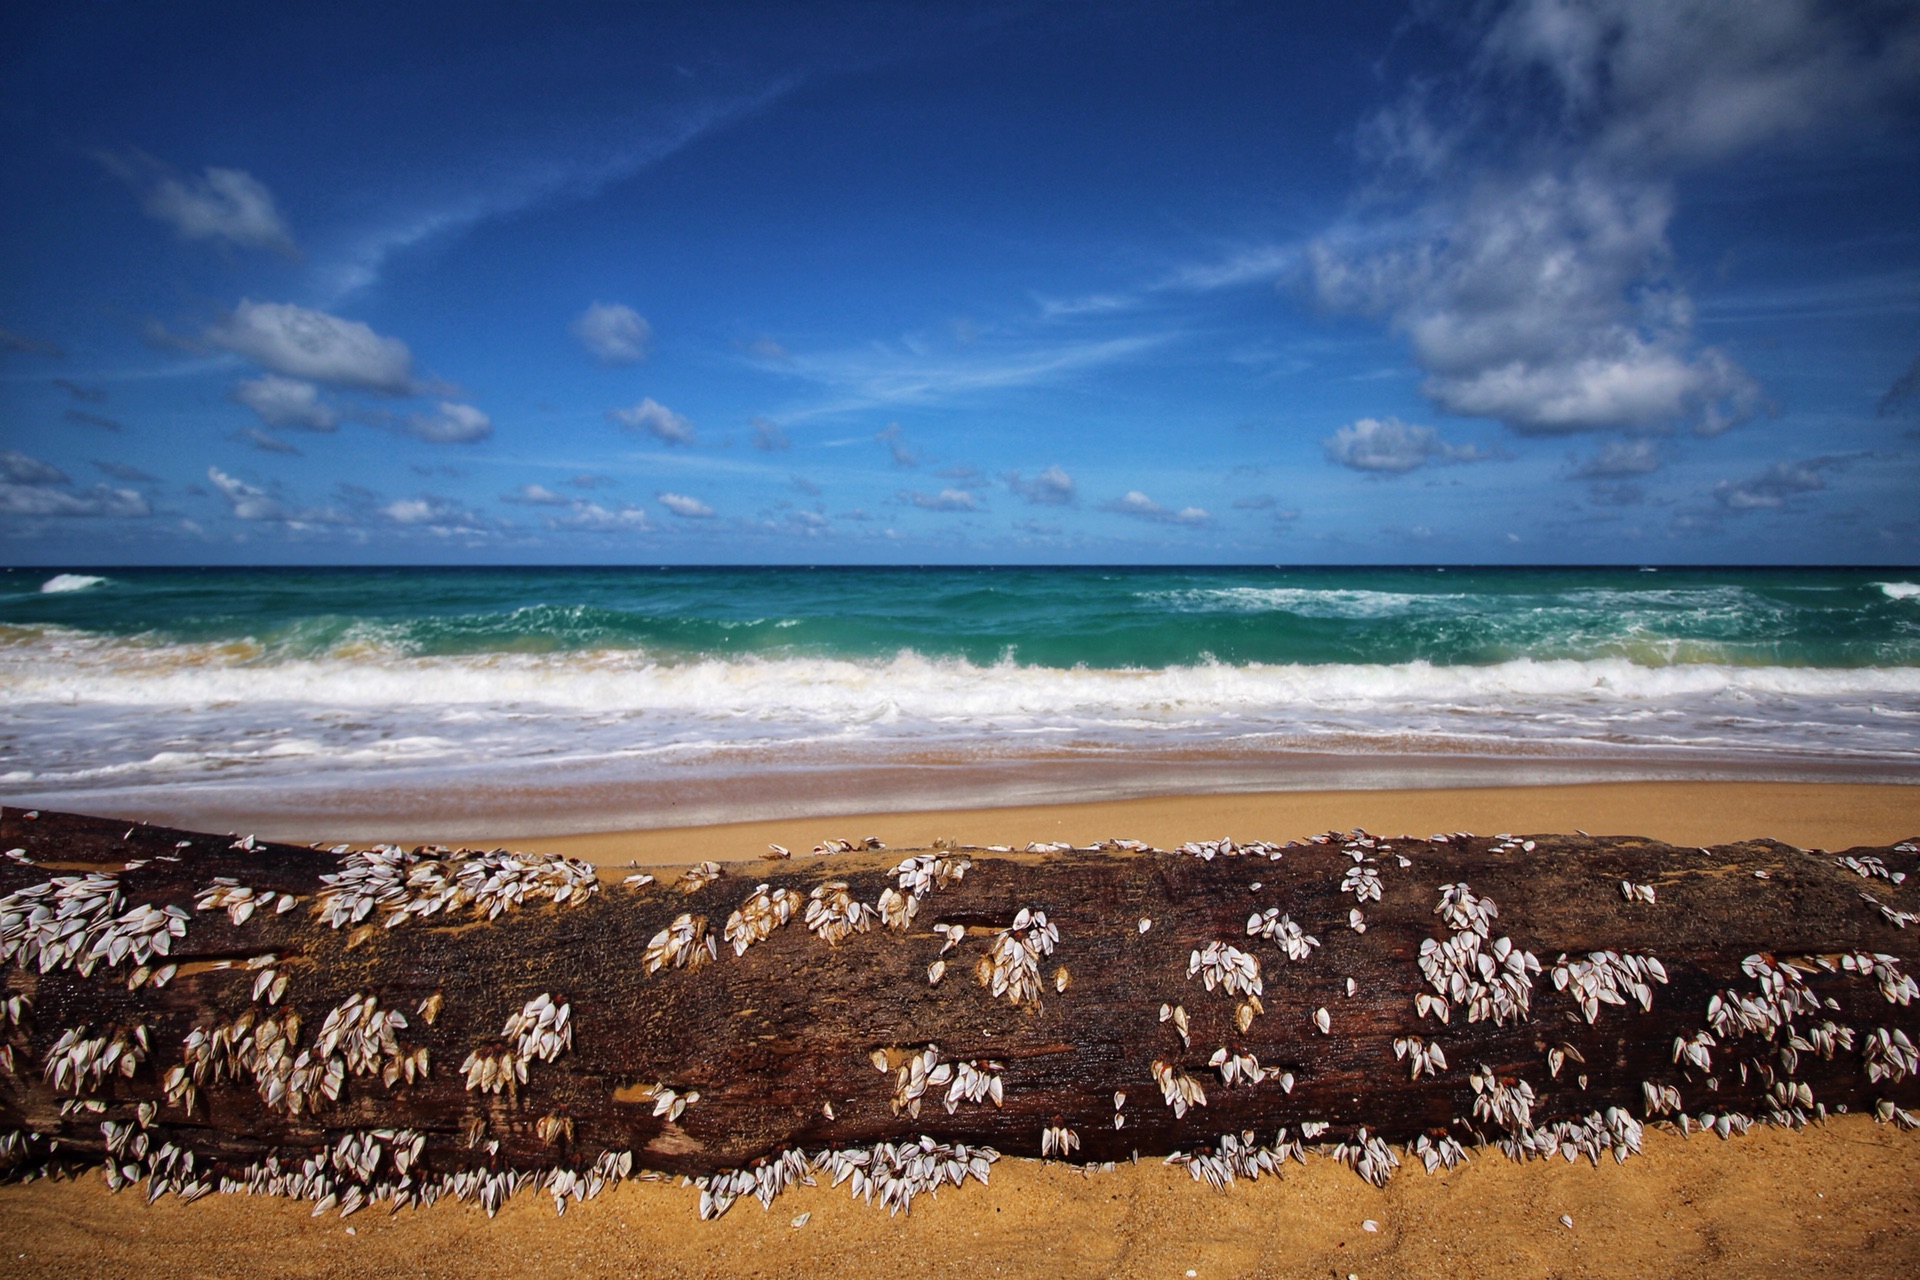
x,y
1841,1198
1812,815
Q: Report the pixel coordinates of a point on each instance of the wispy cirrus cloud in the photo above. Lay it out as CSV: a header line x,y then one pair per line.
x,y
87,418
560,170
889,375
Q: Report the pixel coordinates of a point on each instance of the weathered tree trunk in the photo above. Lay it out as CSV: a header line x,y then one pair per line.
x,y
780,1042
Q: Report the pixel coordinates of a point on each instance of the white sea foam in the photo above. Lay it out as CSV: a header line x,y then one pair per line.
x,y
1899,590
74,670
1360,604
71,582
1311,602
81,711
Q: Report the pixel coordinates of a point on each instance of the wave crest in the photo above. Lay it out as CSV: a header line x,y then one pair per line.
x,y
70,582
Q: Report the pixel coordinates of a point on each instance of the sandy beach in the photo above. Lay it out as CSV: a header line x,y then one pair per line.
x,y
1823,816
1836,1199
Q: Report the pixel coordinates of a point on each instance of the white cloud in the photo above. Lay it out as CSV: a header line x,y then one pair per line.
x,y
1774,487
1541,292
1388,444
303,343
537,495
1138,505
36,500
591,517
656,419
30,487
246,501
451,424
1545,305
613,333
222,204
1620,458
1702,80
286,402
945,500
1051,488
432,511
688,508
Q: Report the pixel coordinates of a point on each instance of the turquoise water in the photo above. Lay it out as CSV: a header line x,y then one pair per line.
x,y
122,684
1044,617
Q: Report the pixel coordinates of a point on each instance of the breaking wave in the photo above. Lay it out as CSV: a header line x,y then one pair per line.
x,y
70,582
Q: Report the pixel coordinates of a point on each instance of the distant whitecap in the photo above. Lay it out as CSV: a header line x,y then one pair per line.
x,y
71,582
1899,590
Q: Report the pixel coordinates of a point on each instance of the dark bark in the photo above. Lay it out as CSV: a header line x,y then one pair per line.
x,y
768,1038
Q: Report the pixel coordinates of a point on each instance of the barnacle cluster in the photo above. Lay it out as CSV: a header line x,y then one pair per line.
x,y
357,1038
83,1059
1011,967
1490,979
76,922
239,901
1238,1156
1607,977
684,944
1208,850
698,877
835,915
422,882
754,920
1221,964
895,1172
921,1070
1295,941
1179,1089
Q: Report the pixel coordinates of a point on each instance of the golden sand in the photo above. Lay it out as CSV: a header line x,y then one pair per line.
x,y
1812,815
1839,1199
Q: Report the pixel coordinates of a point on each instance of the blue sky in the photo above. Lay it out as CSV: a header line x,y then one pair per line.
x,y
1541,281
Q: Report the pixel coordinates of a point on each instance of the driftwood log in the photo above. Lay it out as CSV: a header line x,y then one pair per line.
x,y
1348,992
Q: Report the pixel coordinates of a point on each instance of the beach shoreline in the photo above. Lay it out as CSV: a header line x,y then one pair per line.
x,y
1066,799
1834,815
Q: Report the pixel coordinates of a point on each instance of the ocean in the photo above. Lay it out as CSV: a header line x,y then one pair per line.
x,y
383,702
